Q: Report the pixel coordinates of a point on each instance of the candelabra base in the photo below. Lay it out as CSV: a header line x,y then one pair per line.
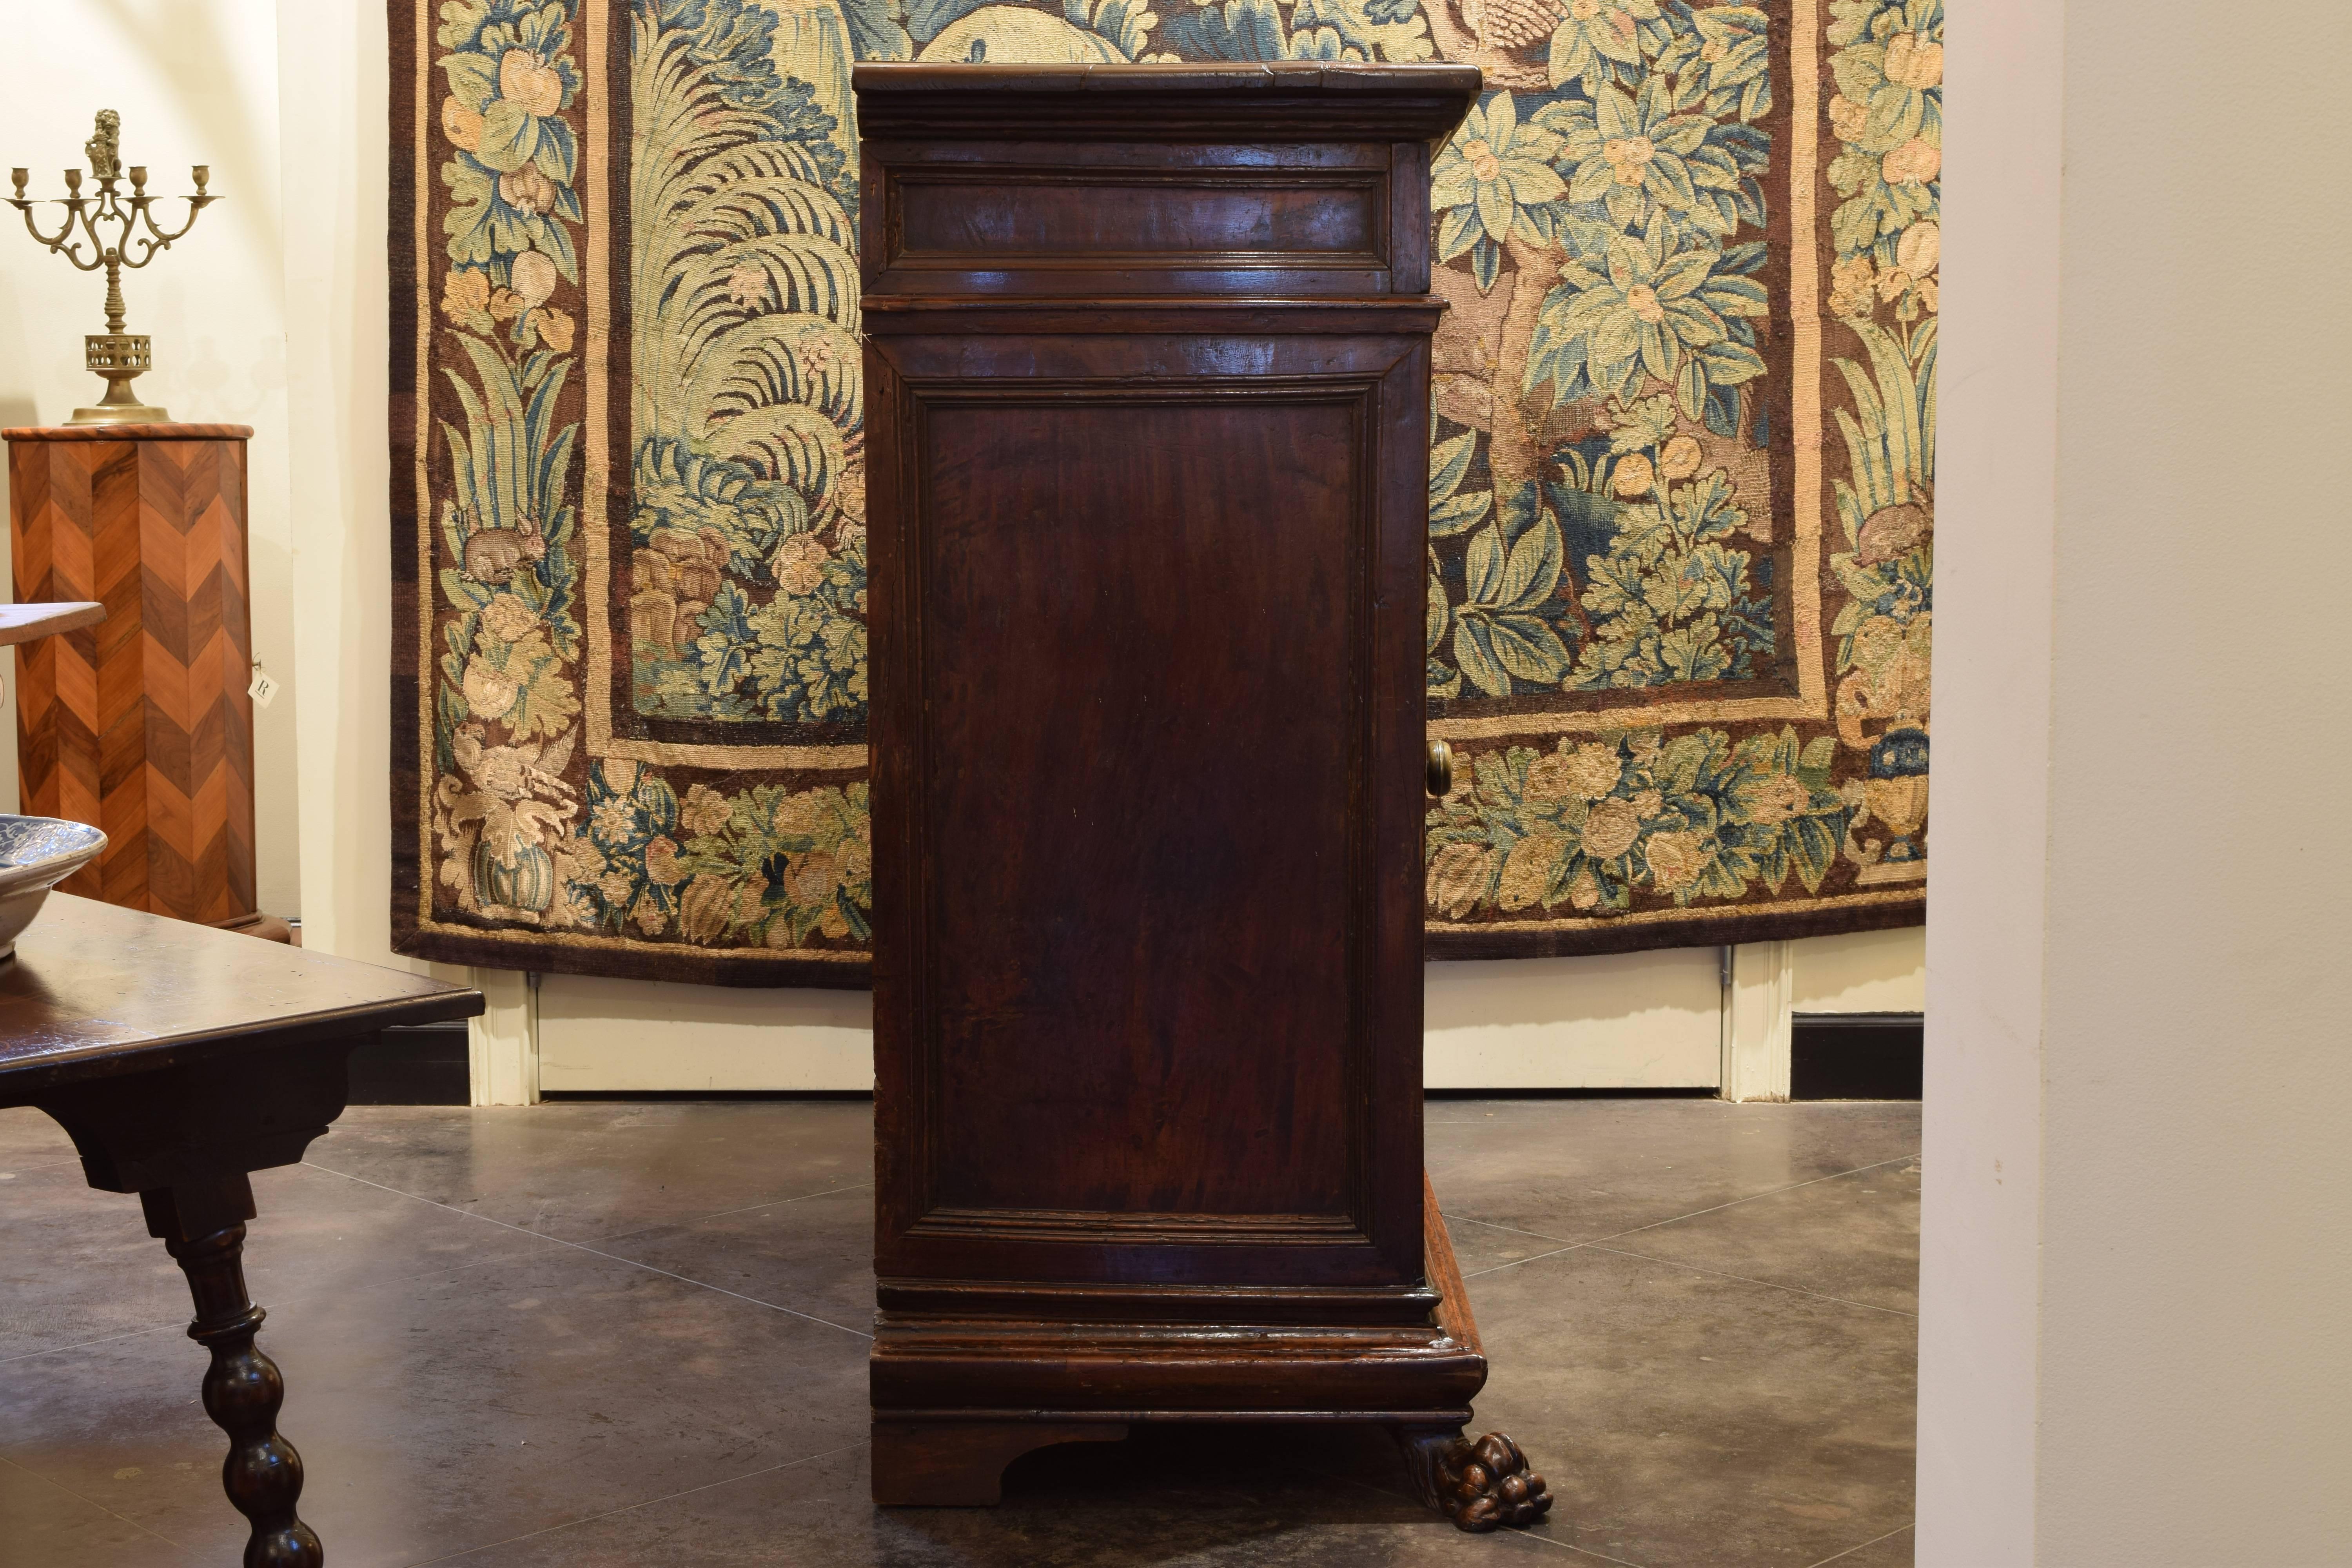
x,y
122,358
120,413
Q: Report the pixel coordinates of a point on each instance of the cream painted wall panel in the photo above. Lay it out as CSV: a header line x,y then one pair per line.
x,y
2196,1353
1864,972
1635,1020
196,82
621,1035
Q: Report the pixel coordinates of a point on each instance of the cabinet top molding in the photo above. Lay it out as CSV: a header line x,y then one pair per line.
x,y
159,432
1089,102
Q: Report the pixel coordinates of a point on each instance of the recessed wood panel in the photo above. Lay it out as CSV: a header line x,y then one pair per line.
x,y
1137,638
1004,216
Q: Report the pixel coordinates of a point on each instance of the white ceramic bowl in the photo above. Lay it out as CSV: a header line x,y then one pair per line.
x,y
36,853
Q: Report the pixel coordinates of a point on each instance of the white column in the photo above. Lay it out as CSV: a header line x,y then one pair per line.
x,y
1980,1269
332,101
1759,986
503,1044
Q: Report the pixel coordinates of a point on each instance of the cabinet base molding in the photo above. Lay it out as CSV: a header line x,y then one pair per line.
x,y
956,1399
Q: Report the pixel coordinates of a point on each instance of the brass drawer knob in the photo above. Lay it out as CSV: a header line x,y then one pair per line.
x,y
1441,768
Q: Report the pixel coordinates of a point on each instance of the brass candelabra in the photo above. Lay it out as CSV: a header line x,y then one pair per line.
x,y
119,356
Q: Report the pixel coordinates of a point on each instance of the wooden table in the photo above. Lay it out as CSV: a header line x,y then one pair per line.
x,y
182,1058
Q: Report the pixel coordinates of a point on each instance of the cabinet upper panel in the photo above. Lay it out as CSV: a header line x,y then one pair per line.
x,y
1151,182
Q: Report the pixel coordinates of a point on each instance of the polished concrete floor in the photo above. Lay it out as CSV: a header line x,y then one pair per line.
x,y
634,1334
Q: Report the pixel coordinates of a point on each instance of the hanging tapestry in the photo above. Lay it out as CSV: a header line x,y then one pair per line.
x,y
1681,472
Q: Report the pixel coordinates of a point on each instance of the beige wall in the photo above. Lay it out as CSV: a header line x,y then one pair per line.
x,y
195,82
1869,972
2134,1344
2198,998
1635,1020
1656,1020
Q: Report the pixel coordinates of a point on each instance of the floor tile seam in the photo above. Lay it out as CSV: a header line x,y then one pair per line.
x,y
1597,1241
1362,1484
1581,1550
1533,1258
632,1507
1672,1219
722,1213
330,1294
436,1202
1872,1541
594,1252
639,1230
1514,1230
93,1503
85,1344
276,1300
1751,1279
1753,1197
721,1290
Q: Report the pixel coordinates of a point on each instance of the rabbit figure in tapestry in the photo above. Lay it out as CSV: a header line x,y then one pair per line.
x,y
493,554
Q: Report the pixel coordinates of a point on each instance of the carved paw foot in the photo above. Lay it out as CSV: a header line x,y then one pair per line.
x,y
1486,1483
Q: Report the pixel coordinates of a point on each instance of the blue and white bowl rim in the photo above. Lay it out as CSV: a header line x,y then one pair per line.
x,y
41,851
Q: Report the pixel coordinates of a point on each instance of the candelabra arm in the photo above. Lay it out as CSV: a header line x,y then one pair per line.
x,y
160,240
147,251
62,242
93,214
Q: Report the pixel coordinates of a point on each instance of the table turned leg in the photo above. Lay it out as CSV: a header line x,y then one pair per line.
x,y
203,1227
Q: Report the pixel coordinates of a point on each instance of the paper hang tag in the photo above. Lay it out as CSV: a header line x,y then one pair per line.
x,y
263,688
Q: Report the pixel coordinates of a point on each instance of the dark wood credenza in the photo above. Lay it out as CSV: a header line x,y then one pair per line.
x,y
1148,409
